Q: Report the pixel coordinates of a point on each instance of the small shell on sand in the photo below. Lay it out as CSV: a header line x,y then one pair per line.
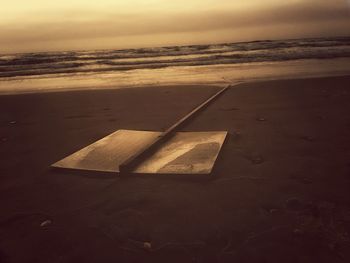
x,y
46,223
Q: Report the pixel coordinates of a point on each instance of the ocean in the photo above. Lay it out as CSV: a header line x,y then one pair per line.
x,y
195,64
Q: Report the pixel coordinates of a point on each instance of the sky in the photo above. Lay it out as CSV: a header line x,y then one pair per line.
x,y
42,25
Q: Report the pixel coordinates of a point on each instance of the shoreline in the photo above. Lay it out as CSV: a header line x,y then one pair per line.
x,y
174,76
205,85
201,85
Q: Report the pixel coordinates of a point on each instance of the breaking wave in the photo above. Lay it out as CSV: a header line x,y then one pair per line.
x,y
29,64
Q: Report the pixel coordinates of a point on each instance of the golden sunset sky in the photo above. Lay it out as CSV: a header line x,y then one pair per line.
x,y
42,25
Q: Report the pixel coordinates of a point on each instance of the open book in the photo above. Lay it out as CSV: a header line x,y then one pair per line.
x,y
182,153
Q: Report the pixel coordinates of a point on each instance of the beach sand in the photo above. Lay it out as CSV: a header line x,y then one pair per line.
x,y
279,192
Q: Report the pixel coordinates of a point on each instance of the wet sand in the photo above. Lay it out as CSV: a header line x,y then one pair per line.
x,y
279,193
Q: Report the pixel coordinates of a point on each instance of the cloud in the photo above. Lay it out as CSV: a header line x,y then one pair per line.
x,y
306,16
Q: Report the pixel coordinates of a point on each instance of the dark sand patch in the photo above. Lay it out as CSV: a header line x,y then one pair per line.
x,y
244,214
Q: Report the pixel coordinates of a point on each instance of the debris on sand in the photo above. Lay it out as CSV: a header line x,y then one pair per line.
x,y
307,138
46,223
260,119
147,245
135,244
258,159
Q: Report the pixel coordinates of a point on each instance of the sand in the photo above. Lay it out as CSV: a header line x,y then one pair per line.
x,y
279,192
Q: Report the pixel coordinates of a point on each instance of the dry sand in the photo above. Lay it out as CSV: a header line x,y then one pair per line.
x,y
279,193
